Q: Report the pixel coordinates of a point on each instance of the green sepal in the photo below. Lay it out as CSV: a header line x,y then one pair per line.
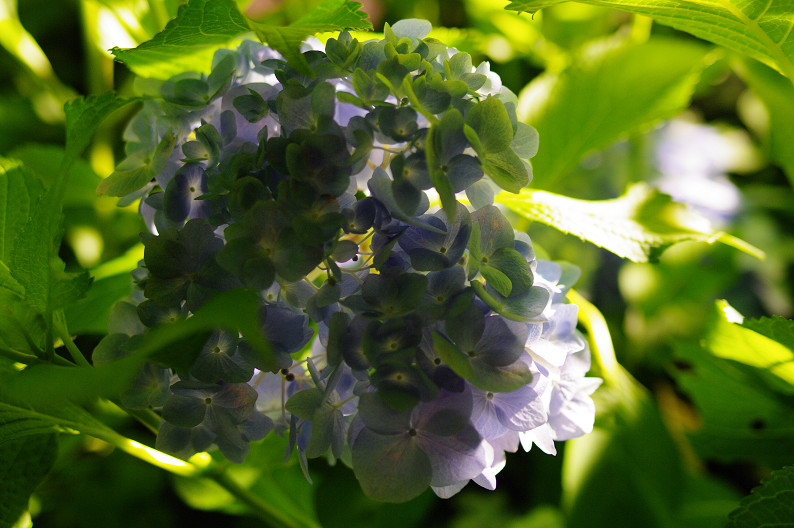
x,y
478,373
506,169
303,404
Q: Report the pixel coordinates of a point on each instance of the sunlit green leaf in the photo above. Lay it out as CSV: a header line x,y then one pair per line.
x,y
745,409
639,225
188,42
610,90
328,15
770,504
760,29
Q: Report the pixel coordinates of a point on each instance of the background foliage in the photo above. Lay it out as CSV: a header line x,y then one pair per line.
x,y
691,98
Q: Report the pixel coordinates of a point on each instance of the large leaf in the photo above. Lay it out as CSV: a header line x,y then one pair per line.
x,y
45,161
23,463
328,15
745,409
777,94
770,504
758,28
34,263
19,192
90,314
764,343
612,89
188,42
20,418
83,117
202,26
638,225
47,384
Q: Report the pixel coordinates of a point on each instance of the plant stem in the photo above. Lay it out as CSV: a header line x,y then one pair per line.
x,y
600,340
59,323
19,357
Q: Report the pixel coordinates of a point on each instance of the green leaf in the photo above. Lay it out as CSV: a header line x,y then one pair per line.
x,y
328,15
47,384
760,29
20,418
83,117
770,504
90,314
631,453
611,90
745,409
777,328
8,281
774,359
20,190
45,161
638,225
234,310
23,464
188,42
777,94
490,120
34,263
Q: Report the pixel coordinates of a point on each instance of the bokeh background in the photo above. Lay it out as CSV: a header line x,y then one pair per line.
x,y
646,464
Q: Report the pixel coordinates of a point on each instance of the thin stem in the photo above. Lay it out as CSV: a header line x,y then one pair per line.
x,y
641,29
59,322
600,340
19,357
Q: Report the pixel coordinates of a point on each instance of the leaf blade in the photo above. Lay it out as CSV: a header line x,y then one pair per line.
x,y
612,89
762,30
187,42
638,225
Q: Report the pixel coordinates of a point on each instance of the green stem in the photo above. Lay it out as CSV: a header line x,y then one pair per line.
x,y
59,323
600,340
19,357
641,28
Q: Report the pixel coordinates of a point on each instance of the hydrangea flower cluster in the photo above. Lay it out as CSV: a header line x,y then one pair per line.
x,y
416,344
